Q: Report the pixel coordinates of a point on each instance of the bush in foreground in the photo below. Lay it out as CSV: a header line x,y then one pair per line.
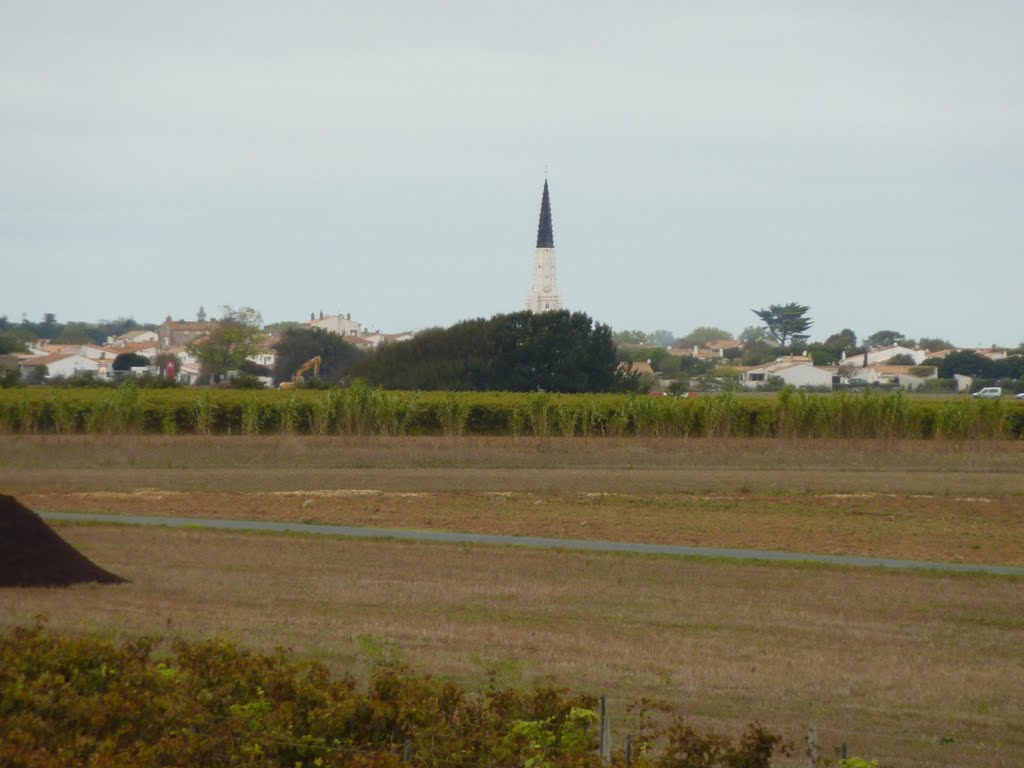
x,y
77,701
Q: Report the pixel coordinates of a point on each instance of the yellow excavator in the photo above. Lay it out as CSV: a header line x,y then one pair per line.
x,y
310,365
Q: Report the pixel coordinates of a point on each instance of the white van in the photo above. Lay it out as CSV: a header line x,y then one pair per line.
x,y
989,393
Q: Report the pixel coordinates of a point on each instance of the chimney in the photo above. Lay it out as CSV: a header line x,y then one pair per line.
x,y
321,314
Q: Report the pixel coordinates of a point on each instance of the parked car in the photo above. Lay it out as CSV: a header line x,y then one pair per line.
x,y
1020,395
989,393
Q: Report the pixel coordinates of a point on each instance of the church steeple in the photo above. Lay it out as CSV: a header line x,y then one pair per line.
x,y
544,296
545,233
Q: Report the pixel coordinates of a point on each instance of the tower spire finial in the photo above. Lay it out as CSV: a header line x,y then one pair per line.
x,y
545,232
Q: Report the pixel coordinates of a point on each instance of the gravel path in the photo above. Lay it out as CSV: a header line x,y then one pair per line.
x,y
531,541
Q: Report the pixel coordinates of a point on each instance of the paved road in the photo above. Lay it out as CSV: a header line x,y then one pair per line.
x,y
531,541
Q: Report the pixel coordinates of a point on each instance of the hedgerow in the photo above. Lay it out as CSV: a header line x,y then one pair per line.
x,y
82,701
363,410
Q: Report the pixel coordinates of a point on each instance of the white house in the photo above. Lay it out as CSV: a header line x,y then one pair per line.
x,y
183,355
795,371
265,357
343,325
992,353
377,338
908,377
61,365
963,383
133,337
85,350
188,373
873,356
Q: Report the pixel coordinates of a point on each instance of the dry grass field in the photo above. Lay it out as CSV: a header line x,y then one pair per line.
x,y
918,669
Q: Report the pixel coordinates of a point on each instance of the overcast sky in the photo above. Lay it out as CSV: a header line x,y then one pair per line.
x,y
386,159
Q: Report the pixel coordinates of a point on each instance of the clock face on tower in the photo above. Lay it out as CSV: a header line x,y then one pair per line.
x,y
547,290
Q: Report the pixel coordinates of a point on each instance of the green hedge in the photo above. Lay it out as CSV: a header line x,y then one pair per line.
x,y
69,701
364,410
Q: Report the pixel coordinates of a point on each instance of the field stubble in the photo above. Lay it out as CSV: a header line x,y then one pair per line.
x,y
920,669
903,499
915,668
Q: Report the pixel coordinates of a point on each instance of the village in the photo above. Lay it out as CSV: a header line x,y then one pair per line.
x,y
167,352
766,357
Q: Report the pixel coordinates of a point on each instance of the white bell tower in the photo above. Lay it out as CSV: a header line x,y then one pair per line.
x,y
544,296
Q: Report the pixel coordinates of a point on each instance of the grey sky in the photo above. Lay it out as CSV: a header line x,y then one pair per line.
x,y
386,159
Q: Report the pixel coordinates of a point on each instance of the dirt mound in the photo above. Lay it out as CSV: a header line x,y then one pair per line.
x,y
33,555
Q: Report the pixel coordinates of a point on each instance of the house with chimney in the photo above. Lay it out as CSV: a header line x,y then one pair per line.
x,y
179,333
342,325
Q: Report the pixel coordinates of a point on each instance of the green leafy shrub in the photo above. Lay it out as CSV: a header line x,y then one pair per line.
x,y
73,701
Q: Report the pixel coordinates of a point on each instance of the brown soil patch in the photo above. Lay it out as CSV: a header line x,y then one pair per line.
x,y
33,555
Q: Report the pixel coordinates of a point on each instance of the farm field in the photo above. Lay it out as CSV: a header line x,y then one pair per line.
x,y
363,410
913,668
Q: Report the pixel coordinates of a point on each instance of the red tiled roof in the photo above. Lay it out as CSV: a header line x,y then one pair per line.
x,y
47,359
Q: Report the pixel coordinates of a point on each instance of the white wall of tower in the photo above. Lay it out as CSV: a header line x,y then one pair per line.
x,y
544,295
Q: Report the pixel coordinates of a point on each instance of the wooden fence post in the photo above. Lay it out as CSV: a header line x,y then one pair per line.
x,y
812,745
605,749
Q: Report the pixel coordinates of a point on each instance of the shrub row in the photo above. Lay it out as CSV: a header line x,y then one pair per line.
x,y
361,409
82,701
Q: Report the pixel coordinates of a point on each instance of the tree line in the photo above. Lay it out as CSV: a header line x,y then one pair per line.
x,y
15,335
558,351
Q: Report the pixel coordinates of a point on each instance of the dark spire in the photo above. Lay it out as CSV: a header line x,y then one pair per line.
x,y
545,235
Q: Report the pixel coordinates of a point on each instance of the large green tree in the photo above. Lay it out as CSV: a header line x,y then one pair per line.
x,y
753,335
555,351
74,333
785,323
964,362
9,343
1011,367
703,335
100,331
885,338
659,338
299,344
844,341
236,336
933,344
